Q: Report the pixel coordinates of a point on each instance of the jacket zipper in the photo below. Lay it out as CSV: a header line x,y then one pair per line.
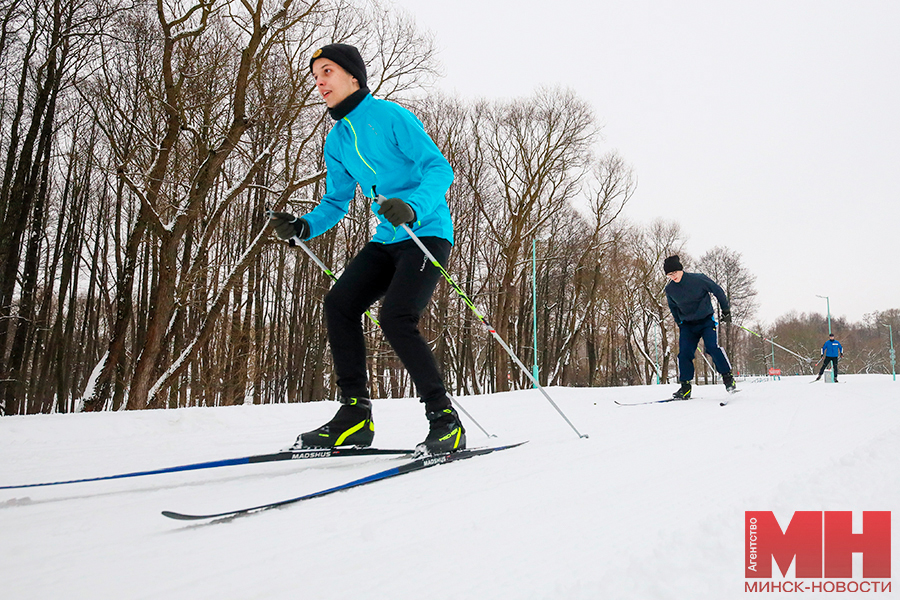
x,y
358,153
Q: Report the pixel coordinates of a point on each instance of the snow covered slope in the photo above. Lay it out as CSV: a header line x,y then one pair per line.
x,y
651,505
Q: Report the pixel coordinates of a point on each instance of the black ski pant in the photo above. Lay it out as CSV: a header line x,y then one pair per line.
x,y
833,360
405,279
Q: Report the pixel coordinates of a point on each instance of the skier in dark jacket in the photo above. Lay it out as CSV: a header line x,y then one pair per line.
x,y
384,149
831,351
688,298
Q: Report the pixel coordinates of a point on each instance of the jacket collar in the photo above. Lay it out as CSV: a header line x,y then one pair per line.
x,y
349,103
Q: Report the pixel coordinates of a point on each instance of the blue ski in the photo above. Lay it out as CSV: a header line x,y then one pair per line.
x,y
228,462
417,464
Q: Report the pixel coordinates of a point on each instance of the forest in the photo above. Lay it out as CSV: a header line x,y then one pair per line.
x,y
143,142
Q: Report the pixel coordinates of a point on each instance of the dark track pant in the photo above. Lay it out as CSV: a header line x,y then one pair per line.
x,y
833,360
689,336
403,276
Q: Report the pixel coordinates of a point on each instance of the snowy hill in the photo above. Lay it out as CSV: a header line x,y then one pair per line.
x,y
651,505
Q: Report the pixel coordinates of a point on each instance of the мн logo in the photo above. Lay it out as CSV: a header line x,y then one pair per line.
x,y
820,543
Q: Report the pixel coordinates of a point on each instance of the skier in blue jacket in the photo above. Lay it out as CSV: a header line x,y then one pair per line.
x,y
384,149
688,298
831,351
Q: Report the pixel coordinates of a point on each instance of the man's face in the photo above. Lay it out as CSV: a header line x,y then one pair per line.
x,y
333,82
675,276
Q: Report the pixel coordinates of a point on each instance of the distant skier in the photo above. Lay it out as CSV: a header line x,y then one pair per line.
x,y
831,351
688,298
377,142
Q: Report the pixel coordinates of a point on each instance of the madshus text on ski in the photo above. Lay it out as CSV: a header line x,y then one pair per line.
x,y
417,464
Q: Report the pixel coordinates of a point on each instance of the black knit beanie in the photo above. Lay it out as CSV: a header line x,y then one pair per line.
x,y
346,56
672,264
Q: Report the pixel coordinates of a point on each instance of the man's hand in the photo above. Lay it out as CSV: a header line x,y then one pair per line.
x,y
397,212
287,226
726,316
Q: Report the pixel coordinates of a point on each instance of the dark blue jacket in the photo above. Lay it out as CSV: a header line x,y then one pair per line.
x,y
832,348
689,299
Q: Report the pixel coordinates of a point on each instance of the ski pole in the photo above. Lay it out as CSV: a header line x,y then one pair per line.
x,y
329,272
296,241
471,418
776,344
468,301
709,364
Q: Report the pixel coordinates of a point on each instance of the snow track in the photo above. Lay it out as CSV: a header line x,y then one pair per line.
x,y
650,506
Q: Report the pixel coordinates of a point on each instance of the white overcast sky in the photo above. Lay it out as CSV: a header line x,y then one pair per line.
x,y
771,127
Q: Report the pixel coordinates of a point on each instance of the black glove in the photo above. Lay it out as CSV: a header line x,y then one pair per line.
x,y
726,316
397,212
287,226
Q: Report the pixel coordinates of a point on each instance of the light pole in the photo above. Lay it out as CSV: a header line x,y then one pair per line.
x,y
828,308
534,368
893,355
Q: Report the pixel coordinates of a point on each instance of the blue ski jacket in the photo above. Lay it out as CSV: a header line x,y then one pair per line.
x,y
689,298
379,145
832,348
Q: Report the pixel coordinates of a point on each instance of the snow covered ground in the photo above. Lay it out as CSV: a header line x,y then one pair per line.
x,y
651,505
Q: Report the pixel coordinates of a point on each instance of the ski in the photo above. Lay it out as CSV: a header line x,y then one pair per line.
x,y
416,464
654,401
732,392
301,454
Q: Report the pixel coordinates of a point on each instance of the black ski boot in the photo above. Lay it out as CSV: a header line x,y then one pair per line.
x,y
445,433
351,426
684,392
728,380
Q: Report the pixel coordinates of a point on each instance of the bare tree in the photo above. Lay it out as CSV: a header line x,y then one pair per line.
x,y
48,40
725,267
538,150
653,244
608,189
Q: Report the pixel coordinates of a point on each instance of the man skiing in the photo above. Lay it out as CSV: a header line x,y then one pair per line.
x,y
831,351
383,148
688,298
